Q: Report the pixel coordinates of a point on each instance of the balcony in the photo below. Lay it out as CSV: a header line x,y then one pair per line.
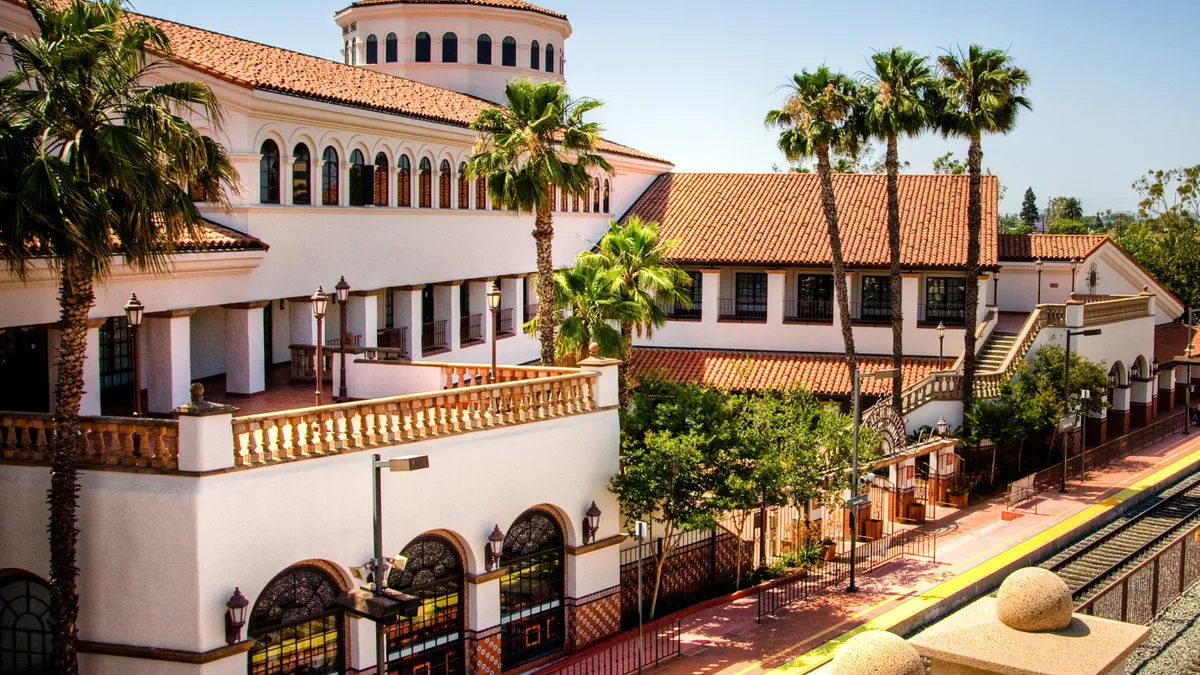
x,y
677,312
470,330
394,338
808,311
871,313
530,312
434,337
744,311
950,314
504,322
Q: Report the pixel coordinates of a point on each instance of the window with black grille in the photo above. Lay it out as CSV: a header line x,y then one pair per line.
x,y
945,300
814,298
750,295
431,643
116,353
531,590
876,299
297,625
26,643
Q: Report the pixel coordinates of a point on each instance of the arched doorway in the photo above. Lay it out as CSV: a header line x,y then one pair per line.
x,y
26,643
431,643
532,589
297,626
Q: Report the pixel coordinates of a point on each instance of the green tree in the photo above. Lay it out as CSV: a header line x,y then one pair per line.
x,y
1169,192
1065,208
1029,208
1012,224
677,443
896,102
586,303
536,144
95,164
983,93
949,164
817,119
643,276
1065,226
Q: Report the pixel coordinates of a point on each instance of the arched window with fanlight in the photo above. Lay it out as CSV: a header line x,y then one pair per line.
x,y
606,202
449,48
391,48
26,641
372,49
480,193
431,643
381,179
329,177
464,187
425,182
444,185
531,589
297,626
483,50
549,58
403,182
596,196
587,200
508,52
301,175
362,180
535,55
424,48
268,173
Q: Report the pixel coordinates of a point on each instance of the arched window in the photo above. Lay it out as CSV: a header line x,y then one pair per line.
x,y
464,187
508,52
26,643
381,181
449,48
431,642
423,48
354,51
403,182
444,185
483,50
425,182
606,203
535,56
391,50
268,173
587,200
553,197
361,180
301,175
596,197
562,200
297,625
480,193
372,49
531,590
329,177
549,58
346,53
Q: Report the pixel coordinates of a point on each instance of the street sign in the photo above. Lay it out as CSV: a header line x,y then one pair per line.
x,y
858,500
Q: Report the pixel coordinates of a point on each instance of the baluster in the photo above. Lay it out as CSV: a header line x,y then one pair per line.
x,y
316,434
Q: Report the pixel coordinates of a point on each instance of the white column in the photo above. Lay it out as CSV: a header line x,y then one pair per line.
x,y
316,169
302,322
169,343
910,289
89,403
362,316
285,178
710,295
775,296
981,310
483,601
512,294
245,369
446,308
1074,314
344,179
408,313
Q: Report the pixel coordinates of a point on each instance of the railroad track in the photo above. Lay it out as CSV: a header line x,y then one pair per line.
x,y
1101,558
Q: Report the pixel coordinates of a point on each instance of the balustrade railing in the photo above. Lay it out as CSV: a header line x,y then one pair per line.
x,y
504,321
733,309
1112,311
434,336
871,312
304,363
947,313
111,441
808,311
470,329
346,427
352,340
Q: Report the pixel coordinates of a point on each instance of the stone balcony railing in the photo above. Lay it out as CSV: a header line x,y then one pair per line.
x,y
130,442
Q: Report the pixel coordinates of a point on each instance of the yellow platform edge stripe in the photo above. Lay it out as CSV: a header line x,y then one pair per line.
x,y
818,656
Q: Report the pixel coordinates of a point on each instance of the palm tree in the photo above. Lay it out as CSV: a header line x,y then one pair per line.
x,y
536,144
983,94
587,299
896,102
96,161
817,119
644,278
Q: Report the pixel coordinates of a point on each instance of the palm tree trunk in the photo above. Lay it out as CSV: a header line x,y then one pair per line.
x,y
974,224
76,299
623,375
543,237
892,162
829,206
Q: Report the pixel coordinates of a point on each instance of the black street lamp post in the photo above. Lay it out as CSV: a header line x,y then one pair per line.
x,y
1062,486
133,315
853,502
342,290
319,302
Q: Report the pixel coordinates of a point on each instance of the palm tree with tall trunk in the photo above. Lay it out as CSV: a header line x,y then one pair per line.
x,y
896,102
96,164
817,119
587,299
645,278
983,92
537,144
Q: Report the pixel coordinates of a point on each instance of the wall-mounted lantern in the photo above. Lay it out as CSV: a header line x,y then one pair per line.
x,y
235,616
591,523
494,546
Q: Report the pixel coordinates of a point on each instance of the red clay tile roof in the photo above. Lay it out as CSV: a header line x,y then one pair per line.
x,y
1171,342
1019,247
214,237
503,4
777,219
822,374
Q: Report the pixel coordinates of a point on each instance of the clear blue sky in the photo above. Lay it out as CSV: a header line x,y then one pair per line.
x,y
1114,84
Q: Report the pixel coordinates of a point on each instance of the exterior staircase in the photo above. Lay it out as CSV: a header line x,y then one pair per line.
x,y
995,351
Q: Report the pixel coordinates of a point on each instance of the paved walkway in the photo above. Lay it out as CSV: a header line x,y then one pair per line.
x,y
727,640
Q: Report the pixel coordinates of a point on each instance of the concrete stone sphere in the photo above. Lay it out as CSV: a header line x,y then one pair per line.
x,y
1033,599
877,652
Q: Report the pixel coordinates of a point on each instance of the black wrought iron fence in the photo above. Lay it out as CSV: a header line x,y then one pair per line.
x,y
470,328
702,565
622,656
947,313
808,311
504,321
433,335
741,310
871,312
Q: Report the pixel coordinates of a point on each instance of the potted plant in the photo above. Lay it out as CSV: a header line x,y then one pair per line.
x,y
828,549
959,494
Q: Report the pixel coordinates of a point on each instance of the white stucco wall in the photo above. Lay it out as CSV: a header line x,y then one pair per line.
x,y
208,342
